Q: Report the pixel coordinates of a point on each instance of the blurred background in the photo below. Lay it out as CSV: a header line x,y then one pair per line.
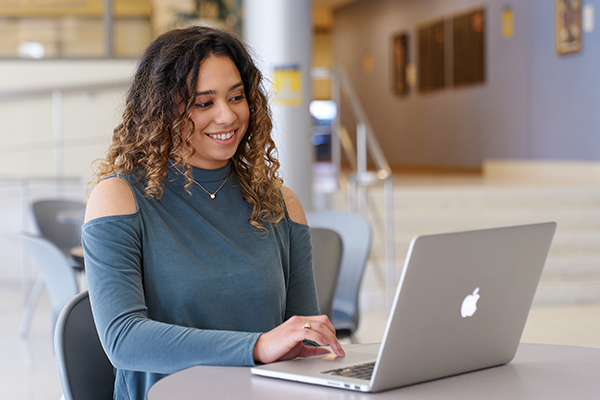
x,y
424,116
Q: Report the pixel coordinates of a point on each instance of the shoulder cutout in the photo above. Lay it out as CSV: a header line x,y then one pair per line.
x,y
293,205
112,196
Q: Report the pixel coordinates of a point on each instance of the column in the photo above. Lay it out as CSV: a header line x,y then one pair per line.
x,y
279,34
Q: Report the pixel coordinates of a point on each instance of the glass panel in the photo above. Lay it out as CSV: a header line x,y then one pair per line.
x,y
81,37
72,28
8,37
131,36
76,28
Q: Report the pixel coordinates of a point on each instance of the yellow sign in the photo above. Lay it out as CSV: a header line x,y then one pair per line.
x,y
508,23
368,62
287,85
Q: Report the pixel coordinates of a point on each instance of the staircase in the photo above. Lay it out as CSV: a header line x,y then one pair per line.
x,y
424,205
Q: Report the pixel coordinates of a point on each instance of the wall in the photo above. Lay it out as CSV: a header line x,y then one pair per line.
x,y
26,127
534,103
565,92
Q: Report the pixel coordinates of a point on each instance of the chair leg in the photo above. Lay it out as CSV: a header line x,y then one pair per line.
x,y
34,297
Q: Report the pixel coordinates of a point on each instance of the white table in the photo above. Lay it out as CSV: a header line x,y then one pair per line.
x,y
537,372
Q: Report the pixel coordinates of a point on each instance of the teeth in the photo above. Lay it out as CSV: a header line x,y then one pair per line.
x,y
222,136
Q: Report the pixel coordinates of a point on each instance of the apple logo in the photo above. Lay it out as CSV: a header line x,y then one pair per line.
x,y
469,304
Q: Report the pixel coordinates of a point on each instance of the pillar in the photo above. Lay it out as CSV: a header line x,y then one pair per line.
x,y
279,34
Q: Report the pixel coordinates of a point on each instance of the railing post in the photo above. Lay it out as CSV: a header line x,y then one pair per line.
x,y
352,194
366,144
361,166
336,146
109,48
390,278
58,136
26,270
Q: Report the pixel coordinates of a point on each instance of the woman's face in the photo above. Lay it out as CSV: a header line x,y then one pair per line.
x,y
220,113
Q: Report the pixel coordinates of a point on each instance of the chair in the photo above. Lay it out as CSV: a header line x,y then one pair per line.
x,y
327,258
55,273
59,221
356,235
84,369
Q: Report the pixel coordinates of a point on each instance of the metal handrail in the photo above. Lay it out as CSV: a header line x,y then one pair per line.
x,y
366,142
15,94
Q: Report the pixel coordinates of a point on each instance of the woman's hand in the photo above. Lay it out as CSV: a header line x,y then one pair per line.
x,y
285,341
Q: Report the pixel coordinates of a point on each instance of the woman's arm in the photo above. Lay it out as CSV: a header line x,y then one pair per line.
x,y
112,240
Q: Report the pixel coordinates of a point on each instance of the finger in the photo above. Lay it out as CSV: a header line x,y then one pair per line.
x,y
310,351
326,322
319,334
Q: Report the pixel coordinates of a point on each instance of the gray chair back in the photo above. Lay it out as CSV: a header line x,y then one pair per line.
x,y
60,222
55,271
84,369
356,235
327,258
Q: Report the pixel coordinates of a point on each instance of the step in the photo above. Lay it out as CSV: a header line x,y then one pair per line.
x,y
555,293
488,196
438,220
569,248
572,268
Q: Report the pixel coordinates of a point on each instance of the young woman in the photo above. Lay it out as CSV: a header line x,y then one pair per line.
x,y
195,253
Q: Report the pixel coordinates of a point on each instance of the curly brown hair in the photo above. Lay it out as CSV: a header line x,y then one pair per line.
x,y
158,110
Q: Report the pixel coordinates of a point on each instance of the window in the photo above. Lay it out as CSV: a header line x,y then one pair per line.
x,y
73,28
82,28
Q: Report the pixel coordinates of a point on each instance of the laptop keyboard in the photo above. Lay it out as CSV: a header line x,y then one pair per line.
x,y
361,371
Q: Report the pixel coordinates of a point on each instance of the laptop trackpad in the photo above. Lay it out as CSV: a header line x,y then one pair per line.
x,y
355,354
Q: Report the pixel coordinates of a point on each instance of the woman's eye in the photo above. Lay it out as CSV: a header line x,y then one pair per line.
x,y
238,98
203,105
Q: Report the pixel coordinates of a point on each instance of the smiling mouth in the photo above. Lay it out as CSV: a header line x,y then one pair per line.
x,y
222,136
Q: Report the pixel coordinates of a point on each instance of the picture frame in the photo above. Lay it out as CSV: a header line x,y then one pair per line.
x,y
400,61
568,30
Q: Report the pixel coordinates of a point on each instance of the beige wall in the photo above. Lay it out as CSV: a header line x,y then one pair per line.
x,y
26,127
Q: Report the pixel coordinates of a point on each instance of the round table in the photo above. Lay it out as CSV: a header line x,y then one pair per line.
x,y
537,372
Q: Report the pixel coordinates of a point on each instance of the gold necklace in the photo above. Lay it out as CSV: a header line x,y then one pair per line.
x,y
212,195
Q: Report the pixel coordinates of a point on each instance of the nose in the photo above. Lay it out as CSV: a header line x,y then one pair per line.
x,y
225,115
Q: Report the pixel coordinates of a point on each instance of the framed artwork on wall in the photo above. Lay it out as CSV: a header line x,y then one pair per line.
x,y
431,43
468,47
568,26
400,57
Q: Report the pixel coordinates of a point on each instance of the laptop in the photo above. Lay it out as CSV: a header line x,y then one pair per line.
x,y
461,305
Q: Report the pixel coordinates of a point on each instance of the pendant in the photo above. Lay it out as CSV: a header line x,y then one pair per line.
x,y
212,196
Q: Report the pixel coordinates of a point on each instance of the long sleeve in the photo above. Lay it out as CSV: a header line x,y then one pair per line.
x,y
132,341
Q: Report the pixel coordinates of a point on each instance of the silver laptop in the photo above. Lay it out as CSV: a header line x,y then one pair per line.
x,y
461,305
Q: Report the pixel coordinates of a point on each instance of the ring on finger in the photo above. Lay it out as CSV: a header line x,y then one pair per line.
x,y
306,326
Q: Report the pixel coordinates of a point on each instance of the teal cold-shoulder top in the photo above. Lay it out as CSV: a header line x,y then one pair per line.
x,y
186,280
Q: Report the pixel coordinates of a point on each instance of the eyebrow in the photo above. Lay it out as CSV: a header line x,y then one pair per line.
x,y
213,92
